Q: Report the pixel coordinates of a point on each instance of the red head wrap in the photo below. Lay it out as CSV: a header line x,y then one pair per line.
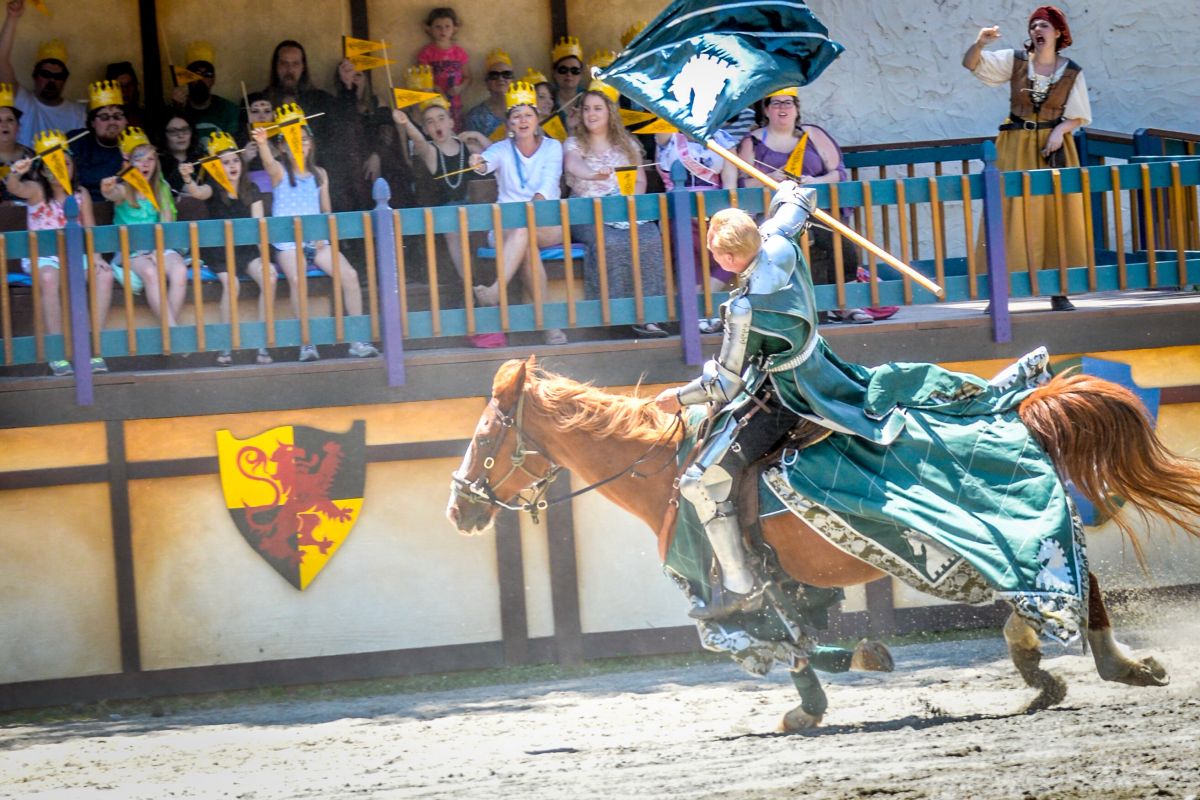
x,y
1056,18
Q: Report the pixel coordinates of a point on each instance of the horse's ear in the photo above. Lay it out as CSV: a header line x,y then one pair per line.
x,y
508,383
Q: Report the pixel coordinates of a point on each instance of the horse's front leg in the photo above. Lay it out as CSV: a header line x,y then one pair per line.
x,y
1026,653
812,702
1113,662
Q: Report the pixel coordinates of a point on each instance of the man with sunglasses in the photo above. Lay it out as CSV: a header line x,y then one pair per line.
x,y
488,117
44,108
207,112
97,155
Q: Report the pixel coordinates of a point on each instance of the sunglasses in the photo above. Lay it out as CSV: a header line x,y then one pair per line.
x,y
47,75
115,117
569,70
496,75
203,72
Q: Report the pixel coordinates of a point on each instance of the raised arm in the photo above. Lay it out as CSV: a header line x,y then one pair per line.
x,y
8,33
190,187
422,148
270,163
970,59
17,186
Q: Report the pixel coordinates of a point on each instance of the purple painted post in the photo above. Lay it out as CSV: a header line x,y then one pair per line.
x,y
77,300
389,288
997,257
685,260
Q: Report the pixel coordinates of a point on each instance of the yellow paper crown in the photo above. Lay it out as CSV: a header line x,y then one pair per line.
x,y
495,57
602,58
420,78
631,32
198,51
567,46
533,77
54,49
219,142
131,139
438,101
7,96
608,91
790,91
520,93
289,112
104,93
45,141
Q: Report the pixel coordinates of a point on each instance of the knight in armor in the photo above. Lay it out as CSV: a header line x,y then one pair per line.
x,y
771,273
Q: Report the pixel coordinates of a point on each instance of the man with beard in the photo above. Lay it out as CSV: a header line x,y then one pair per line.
x,y
207,112
122,73
290,83
44,108
97,155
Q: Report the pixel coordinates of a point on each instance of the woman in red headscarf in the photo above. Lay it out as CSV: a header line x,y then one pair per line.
x,y
1047,102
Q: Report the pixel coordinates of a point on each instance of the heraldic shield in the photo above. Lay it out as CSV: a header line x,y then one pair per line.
x,y
295,492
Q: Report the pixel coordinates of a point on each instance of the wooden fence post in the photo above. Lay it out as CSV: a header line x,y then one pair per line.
x,y
997,257
389,288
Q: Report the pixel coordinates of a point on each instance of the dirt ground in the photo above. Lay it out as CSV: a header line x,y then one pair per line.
x,y
946,724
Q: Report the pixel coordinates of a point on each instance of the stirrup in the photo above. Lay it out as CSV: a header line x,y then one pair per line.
x,y
723,602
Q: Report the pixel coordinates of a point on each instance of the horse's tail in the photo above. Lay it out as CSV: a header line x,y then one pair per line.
x,y
1099,435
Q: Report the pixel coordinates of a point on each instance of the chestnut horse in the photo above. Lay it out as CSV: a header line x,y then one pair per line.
x,y
1095,431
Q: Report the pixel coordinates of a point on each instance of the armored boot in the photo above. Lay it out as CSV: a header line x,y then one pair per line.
x,y
737,591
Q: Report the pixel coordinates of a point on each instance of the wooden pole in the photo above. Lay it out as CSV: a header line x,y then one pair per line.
x,y
833,222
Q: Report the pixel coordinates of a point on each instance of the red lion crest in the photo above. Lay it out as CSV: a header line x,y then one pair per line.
x,y
302,482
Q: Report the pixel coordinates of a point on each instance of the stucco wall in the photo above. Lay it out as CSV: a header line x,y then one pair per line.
x,y
900,78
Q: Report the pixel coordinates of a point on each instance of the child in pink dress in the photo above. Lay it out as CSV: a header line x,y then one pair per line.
x,y
450,62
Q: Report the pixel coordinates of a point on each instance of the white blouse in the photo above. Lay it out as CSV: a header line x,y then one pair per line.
x,y
520,177
995,69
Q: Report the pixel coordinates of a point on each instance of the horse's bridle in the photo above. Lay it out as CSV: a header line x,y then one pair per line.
x,y
480,490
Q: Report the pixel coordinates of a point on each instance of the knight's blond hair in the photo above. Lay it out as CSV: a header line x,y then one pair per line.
x,y
733,231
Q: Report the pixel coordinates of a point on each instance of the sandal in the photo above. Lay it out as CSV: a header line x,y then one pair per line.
x,y
263,357
225,358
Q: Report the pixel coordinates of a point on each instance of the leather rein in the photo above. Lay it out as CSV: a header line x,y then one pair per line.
x,y
533,498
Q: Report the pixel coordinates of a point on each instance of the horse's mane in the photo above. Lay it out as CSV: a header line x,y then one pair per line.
x,y
574,406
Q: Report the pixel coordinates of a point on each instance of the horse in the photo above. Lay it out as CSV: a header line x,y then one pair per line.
x,y
1096,433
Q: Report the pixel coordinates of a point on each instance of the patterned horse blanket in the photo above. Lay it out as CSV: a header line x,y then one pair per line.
x,y
967,508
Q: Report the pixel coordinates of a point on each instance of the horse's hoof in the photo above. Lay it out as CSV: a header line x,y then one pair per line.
x,y
872,657
1147,672
799,720
1053,691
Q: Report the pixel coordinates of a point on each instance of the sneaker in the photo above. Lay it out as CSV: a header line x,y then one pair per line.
x,y
489,340
1060,302
651,330
308,352
61,368
225,358
98,364
556,336
363,350
263,357
714,325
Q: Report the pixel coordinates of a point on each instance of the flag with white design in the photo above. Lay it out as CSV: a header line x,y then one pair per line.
x,y
700,62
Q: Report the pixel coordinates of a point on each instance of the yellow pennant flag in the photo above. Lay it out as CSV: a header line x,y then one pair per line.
x,y
410,97
352,47
795,162
4,170
40,5
658,126
631,117
184,76
554,129
362,63
627,179
500,132
56,162
216,171
295,142
134,177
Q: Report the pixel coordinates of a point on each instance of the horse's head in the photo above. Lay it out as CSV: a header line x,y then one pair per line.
x,y
502,460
